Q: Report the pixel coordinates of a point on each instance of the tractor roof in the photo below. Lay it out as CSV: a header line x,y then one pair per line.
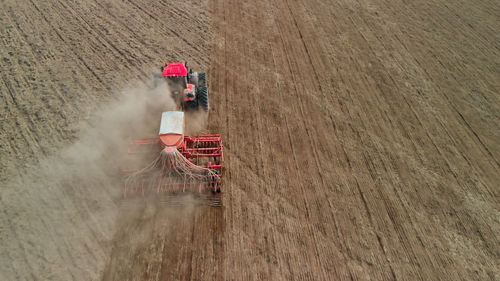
x,y
175,70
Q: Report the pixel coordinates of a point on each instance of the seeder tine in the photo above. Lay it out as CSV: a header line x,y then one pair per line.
x,y
215,203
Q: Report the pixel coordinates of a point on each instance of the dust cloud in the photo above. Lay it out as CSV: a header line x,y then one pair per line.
x,y
196,122
61,217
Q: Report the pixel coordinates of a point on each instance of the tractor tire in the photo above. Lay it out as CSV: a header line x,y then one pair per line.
x,y
202,98
191,106
202,79
158,79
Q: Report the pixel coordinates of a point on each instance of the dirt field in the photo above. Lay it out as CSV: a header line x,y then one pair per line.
x,y
362,140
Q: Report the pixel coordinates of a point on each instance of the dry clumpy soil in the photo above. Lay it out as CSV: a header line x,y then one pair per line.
x,y
362,140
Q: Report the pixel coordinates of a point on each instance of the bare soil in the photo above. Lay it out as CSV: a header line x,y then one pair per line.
x,y
361,140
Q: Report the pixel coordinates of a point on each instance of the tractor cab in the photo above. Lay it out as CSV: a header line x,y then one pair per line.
x,y
176,76
174,70
187,87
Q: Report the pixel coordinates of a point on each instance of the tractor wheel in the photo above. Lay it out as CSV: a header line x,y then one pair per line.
x,y
191,105
202,97
202,79
158,79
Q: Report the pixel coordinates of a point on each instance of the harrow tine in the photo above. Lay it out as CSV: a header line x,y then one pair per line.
x,y
174,199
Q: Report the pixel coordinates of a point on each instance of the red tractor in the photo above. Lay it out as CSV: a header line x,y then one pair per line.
x,y
187,87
